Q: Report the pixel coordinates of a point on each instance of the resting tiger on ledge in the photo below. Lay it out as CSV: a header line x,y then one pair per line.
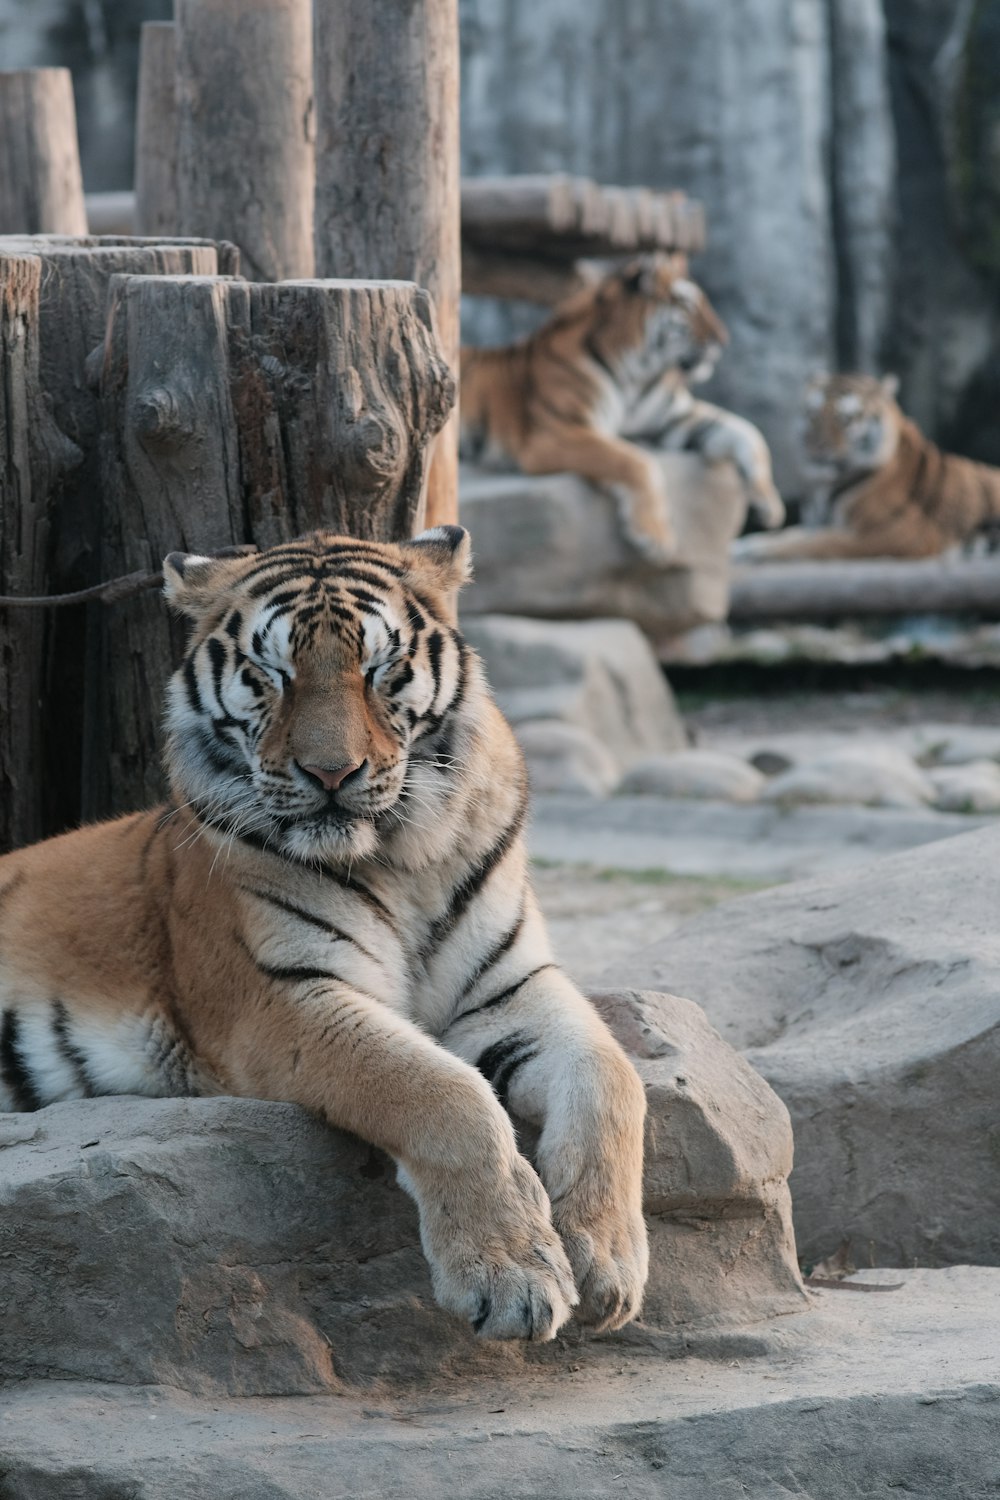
x,y
335,910
610,368
886,490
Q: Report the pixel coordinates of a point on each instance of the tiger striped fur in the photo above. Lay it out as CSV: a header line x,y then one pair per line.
x,y
881,488
611,369
335,910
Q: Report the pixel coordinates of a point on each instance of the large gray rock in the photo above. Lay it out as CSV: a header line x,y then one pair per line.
x,y
553,547
871,1002
598,677
859,1396
228,1246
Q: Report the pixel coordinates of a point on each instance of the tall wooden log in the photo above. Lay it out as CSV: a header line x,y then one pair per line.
x,y
156,209
245,139
75,275
238,412
387,189
41,185
34,456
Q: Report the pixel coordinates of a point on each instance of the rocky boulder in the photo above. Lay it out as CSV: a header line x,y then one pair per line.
x,y
871,1002
710,774
870,775
233,1247
553,547
587,698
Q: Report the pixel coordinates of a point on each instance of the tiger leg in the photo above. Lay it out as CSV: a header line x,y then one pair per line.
x,y
485,1219
550,1058
802,544
633,477
719,435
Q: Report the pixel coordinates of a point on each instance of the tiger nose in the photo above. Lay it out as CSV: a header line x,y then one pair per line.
x,y
332,778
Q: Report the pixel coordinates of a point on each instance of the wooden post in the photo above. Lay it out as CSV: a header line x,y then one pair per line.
x,y
67,324
34,457
387,190
245,140
41,186
156,210
236,412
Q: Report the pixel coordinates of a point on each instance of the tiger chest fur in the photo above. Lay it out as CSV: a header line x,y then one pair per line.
x,y
335,910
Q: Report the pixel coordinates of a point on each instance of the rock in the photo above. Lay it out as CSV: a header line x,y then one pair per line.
x,y
859,1396
874,776
973,787
696,773
871,1002
553,547
564,758
598,678
958,744
771,762
233,1247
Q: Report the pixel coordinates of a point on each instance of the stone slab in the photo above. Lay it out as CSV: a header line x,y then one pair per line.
x,y
861,1396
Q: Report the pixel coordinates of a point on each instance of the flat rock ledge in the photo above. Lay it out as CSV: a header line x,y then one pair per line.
x,y
229,1247
860,1396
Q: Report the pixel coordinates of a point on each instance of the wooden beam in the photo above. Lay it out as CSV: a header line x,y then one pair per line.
x,y
156,210
883,586
245,147
41,186
387,186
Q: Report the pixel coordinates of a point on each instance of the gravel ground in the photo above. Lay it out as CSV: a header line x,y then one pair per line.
x,y
596,916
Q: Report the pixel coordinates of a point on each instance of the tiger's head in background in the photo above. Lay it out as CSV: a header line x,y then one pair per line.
x,y
647,317
852,424
321,694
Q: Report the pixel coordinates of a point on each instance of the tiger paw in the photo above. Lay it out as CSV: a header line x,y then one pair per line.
x,y
499,1263
768,506
610,1260
659,546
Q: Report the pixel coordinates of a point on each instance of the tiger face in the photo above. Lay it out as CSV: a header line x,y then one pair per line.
x,y
851,424
319,677
660,318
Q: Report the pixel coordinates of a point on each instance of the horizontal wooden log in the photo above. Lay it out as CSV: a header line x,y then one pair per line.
x,y
546,282
883,586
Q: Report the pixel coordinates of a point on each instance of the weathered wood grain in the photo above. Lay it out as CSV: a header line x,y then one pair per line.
x,y
41,185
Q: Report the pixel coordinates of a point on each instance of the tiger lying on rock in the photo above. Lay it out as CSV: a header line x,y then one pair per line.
x,y
335,910
609,369
885,489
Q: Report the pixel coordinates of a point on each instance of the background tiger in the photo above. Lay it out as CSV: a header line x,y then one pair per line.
x,y
609,369
882,488
335,910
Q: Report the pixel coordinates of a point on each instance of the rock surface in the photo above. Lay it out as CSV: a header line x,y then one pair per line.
x,y
871,1002
598,678
711,774
553,547
972,787
233,1247
870,776
862,1395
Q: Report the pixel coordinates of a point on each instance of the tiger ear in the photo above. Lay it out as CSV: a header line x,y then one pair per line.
x,y
191,581
890,386
441,557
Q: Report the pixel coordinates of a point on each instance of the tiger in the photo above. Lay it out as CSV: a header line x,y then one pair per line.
x,y
334,909
882,489
611,369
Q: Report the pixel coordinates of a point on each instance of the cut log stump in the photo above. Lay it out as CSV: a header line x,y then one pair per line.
x,y
237,412
54,293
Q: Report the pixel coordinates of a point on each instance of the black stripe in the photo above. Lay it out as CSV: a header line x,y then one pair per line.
x,y
373,902
700,431
500,947
500,1062
595,354
69,1051
468,888
13,884
435,643
191,686
504,995
13,1068
332,931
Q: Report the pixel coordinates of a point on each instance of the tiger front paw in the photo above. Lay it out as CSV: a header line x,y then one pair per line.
x,y
609,1253
496,1259
768,506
